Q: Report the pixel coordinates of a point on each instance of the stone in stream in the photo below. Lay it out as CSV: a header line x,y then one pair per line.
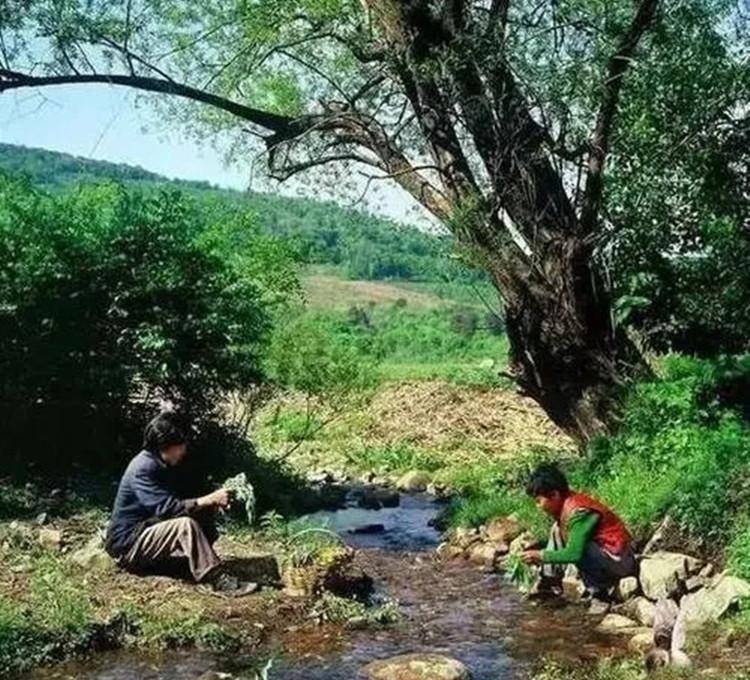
x,y
484,554
374,498
417,667
415,481
368,529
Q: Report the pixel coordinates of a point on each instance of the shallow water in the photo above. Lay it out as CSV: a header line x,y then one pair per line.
x,y
453,609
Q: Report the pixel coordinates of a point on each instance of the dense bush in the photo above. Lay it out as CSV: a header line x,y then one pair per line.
x,y
110,299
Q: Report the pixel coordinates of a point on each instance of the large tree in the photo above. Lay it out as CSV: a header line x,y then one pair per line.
x,y
498,116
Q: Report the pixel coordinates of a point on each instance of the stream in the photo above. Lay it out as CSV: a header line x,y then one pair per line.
x,y
448,608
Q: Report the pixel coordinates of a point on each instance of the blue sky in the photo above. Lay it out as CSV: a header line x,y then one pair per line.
x,y
103,122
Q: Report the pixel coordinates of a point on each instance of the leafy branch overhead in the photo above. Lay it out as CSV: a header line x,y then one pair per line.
x,y
500,117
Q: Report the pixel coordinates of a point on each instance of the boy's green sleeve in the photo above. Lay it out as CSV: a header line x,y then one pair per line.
x,y
580,529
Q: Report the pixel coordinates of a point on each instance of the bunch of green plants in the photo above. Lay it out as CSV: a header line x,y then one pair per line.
x,y
518,572
330,608
302,541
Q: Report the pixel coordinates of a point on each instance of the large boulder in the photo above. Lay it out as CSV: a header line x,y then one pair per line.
x,y
662,572
712,602
417,667
504,530
414,481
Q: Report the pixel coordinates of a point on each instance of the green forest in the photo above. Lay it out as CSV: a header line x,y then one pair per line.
x,y
248,435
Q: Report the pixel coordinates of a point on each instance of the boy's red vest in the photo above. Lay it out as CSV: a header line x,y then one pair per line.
x,y
610,534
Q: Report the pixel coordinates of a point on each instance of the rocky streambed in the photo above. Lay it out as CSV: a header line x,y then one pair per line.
x,y
448,608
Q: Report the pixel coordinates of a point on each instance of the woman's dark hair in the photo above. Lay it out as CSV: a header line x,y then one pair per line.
x,y
546,479
167,429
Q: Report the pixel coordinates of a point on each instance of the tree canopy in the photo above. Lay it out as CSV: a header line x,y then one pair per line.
x,y
554,138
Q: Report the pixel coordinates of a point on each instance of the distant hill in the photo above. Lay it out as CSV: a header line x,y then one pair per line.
x,y
359,245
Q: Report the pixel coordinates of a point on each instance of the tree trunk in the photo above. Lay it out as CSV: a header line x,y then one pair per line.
x,y
564,351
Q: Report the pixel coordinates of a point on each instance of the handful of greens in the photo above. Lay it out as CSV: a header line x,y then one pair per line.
x,y
243,492
519,573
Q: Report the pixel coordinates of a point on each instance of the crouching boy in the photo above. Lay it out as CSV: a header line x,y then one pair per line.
x,y
586,533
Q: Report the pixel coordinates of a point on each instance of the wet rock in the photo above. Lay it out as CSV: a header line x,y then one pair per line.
x,y
712,602
662,573
373,498
441,521
504,530
449,551
368,529
627,588
618,624
642,642
483,554
464,537
51,539
417,667
93,557
439,491
414,481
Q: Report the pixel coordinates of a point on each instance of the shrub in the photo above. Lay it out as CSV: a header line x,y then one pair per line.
x,y
108,300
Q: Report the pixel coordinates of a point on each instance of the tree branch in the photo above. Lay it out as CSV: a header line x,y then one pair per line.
x,y
617,67
10,80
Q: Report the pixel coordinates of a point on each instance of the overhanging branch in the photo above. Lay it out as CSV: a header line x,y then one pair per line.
x,y
10,80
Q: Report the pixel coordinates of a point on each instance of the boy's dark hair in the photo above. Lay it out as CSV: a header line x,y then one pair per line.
x,y
167,429
546,479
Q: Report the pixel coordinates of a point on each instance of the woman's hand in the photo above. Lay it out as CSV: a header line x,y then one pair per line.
x,y
532,556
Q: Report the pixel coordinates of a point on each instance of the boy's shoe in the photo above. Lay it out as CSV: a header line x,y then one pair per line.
x,y
226,585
